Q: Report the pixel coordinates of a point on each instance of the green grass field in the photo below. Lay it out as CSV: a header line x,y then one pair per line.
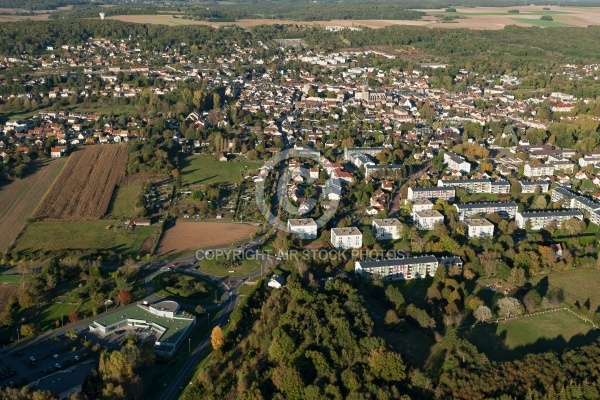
x,y
514,339
51,236
48,315
218,267
125,198
10,278
206,169
581,285
539,22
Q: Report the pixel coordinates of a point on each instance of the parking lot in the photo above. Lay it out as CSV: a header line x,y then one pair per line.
x,y
32,363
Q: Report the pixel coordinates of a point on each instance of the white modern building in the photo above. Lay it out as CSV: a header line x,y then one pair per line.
x,y
164,318
479,228
306,228
426,219
387,228
531,186
346,238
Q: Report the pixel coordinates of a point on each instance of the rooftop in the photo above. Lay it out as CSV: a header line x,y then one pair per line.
x,y
174,327
429,214
302,222
387,222
479,222
350,231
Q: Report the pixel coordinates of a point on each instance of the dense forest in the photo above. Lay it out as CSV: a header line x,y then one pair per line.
x,y
313,340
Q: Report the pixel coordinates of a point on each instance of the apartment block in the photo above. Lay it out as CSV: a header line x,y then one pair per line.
x,y
479,228
346,238
531,186
385,229
305,228
432,193
504,209
542,219
454,161
426,219
406,268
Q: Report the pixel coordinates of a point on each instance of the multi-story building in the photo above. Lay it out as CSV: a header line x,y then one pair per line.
x,y
431,193
385,229
305,228
479,228
470,185
589,159
536,170
383,169
371,151
346,238
531,186
477,185
568,199
454,161
406,268
426,219
504,209
542,219
500,187
421,205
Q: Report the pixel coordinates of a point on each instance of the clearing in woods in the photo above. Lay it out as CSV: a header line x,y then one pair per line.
x,y
200,235
19,199
84,188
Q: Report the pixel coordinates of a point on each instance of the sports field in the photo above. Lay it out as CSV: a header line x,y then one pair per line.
x,y
514,339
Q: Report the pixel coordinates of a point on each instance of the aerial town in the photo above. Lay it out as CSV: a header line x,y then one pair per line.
x,y
172,208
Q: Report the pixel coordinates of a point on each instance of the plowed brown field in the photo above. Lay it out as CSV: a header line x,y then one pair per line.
x,y
84,188
19,199
200,235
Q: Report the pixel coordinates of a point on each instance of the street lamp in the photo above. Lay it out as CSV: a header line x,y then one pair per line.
x,y
189,345
18,335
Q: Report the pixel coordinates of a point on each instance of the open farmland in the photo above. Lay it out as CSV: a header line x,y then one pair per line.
x,y
200,235
84,188
471,18
204,169
19,199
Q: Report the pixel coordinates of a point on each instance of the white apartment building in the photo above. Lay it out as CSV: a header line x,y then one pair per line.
x,y
536,170
504,209
426,219
542,219
385,229
454,161
346,238
405,268
305,228
431,193
530,186
479,228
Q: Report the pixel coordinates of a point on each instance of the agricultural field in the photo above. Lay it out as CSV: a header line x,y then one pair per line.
x,y
467,17
185,236
126,196
514,339
53,236
19,199
84,188
203,169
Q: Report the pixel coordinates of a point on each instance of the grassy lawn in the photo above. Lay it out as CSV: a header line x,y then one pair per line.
x,y
218,266
514,339
206,169
82,235
581,285
539,22
414,290
10,278
125,198
48,315
162,288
